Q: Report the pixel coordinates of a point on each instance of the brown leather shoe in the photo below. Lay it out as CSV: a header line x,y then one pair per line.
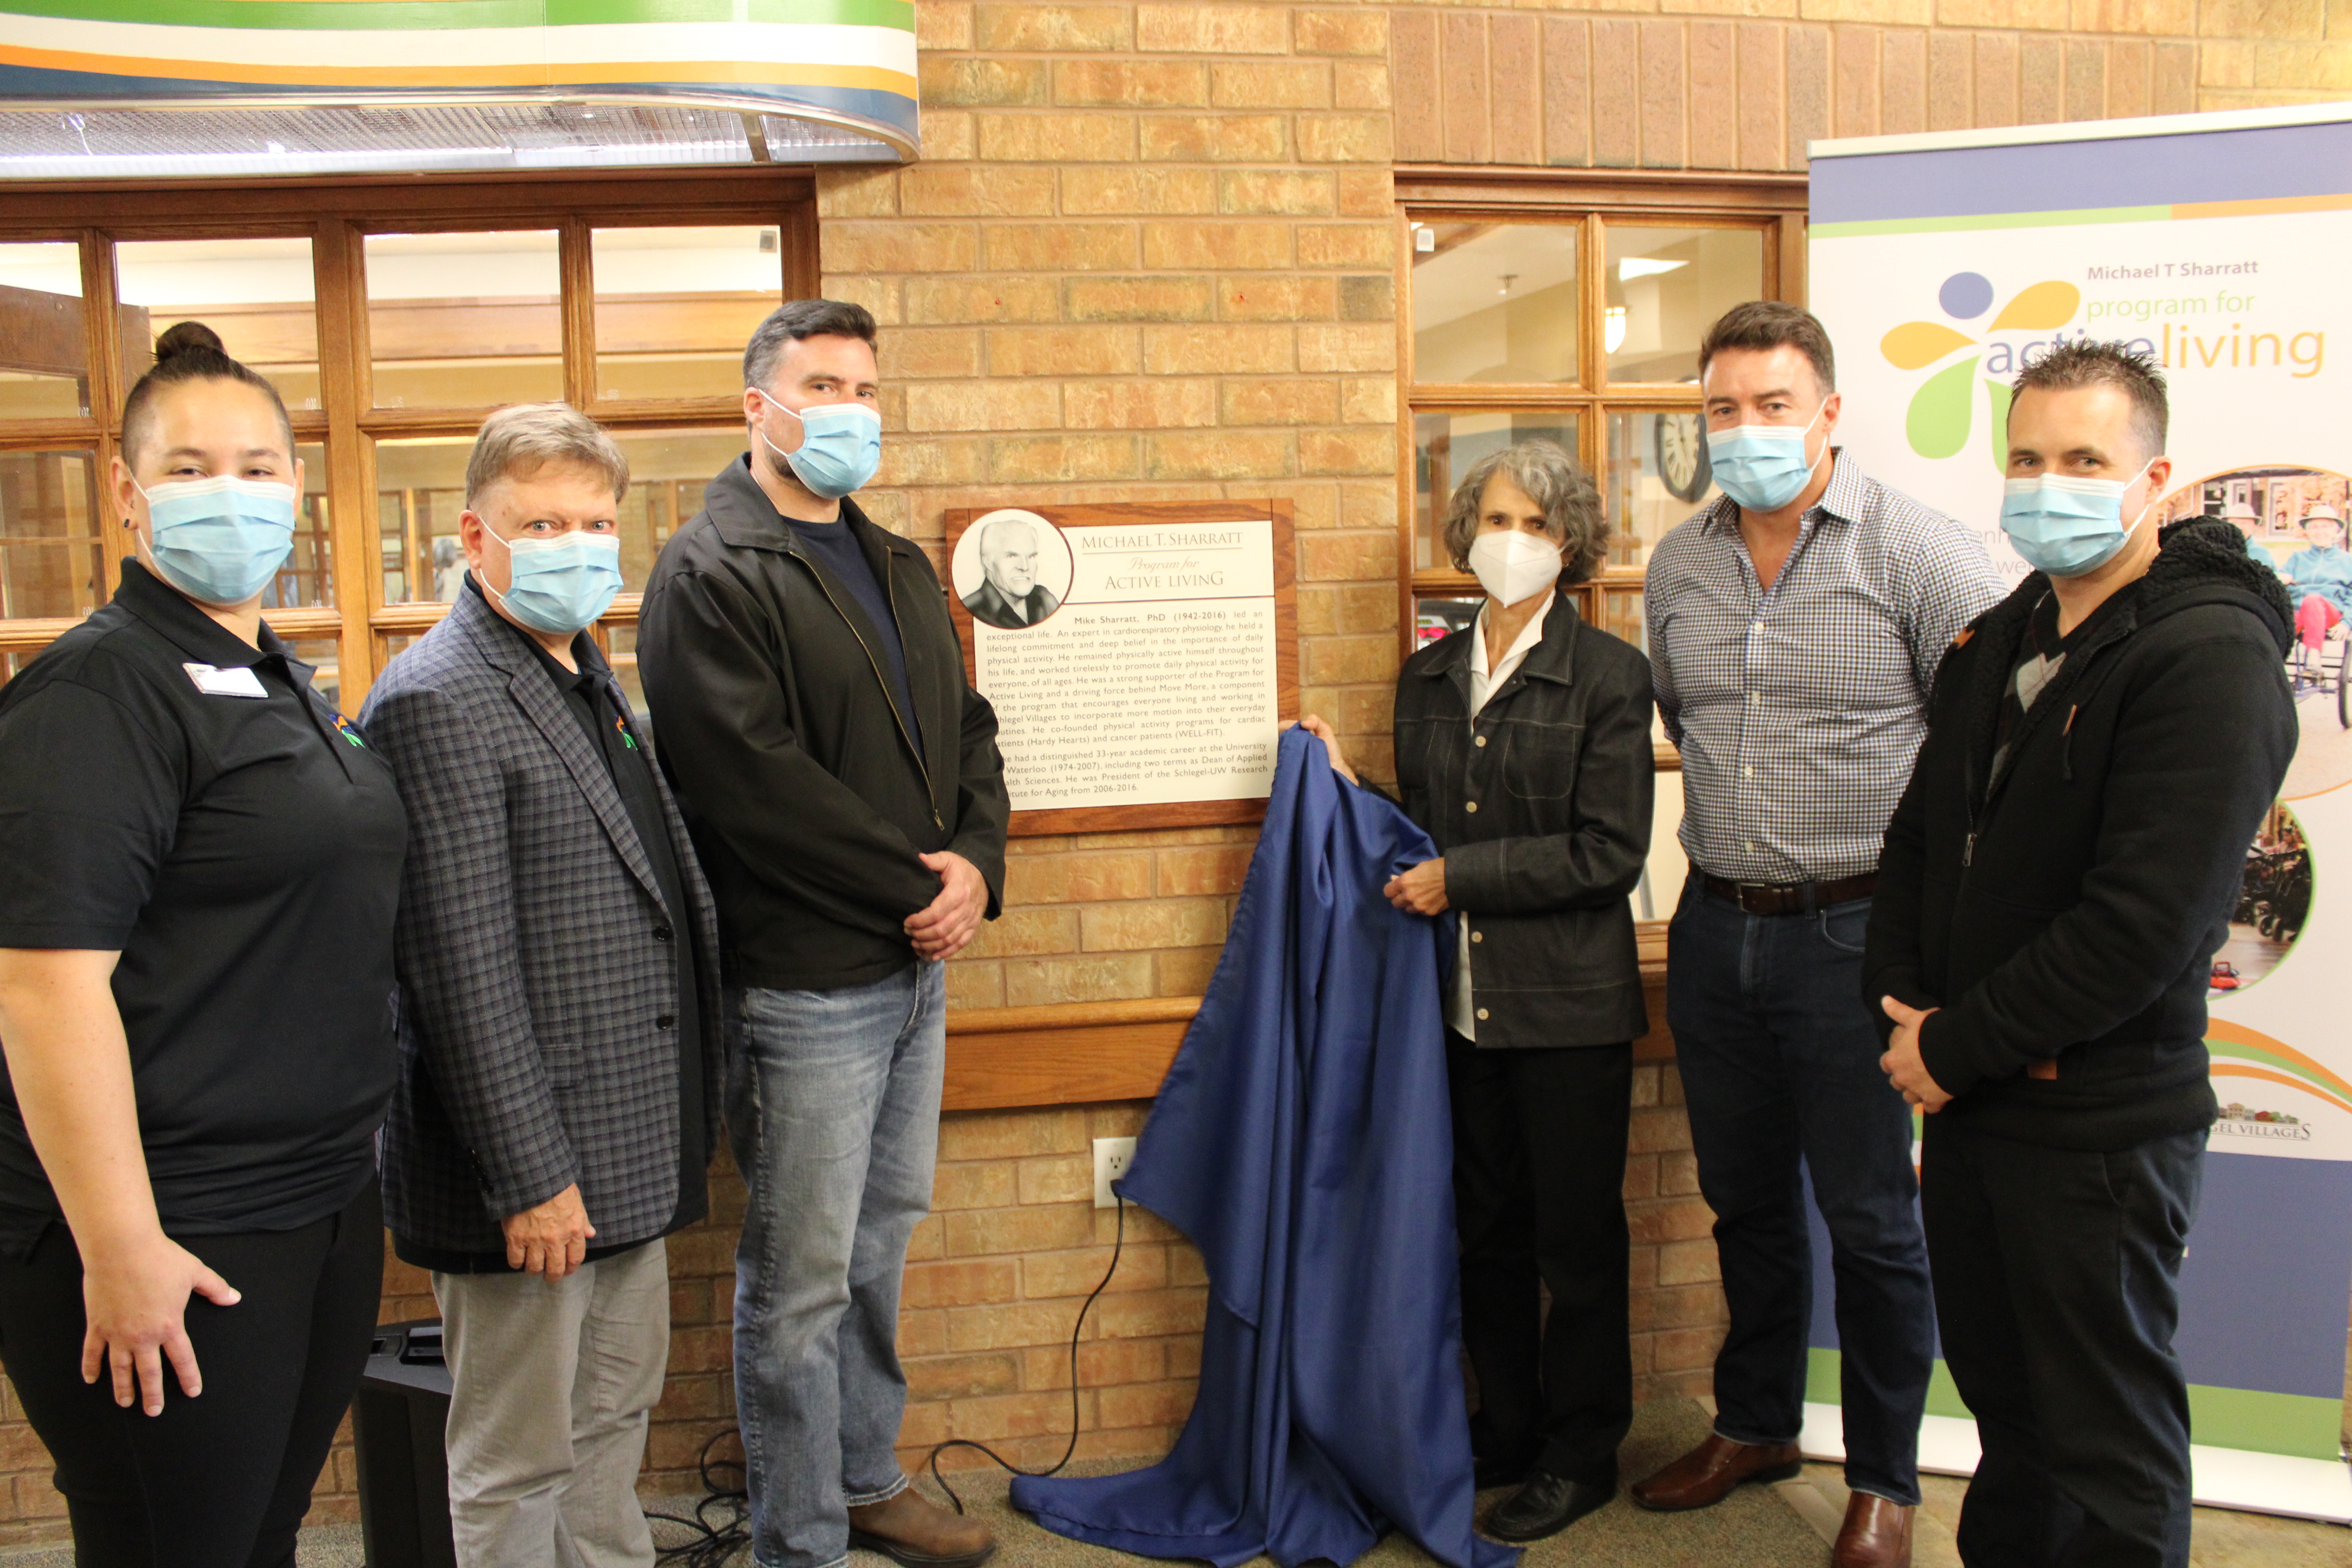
x,y
917,1533
1706,1475
1877,1534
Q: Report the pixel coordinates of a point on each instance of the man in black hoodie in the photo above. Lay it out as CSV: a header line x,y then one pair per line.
x,y
2101,747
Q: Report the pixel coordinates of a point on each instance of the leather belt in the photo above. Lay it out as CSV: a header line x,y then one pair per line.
x,y
1792,898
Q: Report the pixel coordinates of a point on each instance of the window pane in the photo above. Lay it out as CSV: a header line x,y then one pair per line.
x,y
420,493
51,563
44,359
465,320
1658,475
1666,286
1447,445
675,306
307,578
1434,618
1621,615
669,471
256,293
1495,302
325,654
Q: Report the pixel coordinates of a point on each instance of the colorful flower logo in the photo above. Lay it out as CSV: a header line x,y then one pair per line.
x,y
1942,410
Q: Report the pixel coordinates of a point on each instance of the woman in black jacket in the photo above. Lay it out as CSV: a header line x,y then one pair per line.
x,y
1523,748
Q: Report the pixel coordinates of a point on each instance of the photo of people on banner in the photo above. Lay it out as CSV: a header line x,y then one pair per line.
x,y
2295,518
2272,904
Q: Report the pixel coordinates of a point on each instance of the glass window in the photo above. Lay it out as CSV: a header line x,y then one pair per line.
x,y
1621,615
1447,445
1495,302
465,320
420,494
307,578
1436,617
1666,286
51,562
1658,475
258,294
44,351
675,306
669,471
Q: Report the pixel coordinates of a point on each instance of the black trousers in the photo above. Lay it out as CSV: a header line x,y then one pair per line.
x,y
1538,1195
221,1480
2057,1292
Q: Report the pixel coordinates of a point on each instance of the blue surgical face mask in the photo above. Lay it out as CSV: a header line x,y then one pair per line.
x,y
1763,467
2067,526
221,539
841,446
559,585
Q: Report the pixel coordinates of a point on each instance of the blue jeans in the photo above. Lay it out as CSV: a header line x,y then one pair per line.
x,y
834,1106
1779,1063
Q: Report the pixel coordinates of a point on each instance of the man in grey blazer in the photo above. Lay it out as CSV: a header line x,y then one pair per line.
x,y
558,960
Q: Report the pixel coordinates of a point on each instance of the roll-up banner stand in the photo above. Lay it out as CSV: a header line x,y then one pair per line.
x,y
2221,245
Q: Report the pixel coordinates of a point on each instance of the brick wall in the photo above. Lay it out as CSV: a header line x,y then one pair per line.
x,y
1149,254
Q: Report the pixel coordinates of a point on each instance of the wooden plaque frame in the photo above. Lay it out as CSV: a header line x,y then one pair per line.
x,y
1129,514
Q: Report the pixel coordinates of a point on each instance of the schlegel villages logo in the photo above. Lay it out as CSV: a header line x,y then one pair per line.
x,y
2237,1120
2239,1053
1943,409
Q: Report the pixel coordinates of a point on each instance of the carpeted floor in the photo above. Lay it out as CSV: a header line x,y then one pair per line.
x,y
1785,1526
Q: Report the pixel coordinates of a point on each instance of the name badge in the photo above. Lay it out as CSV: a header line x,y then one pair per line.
x,y
237,680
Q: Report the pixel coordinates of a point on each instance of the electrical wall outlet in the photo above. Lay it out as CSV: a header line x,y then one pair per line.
x,y
1112,1157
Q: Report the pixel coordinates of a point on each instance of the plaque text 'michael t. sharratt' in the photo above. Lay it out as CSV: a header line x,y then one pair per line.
x,y
1131,663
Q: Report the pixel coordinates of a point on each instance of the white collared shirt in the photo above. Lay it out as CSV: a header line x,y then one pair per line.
x,y
1482,685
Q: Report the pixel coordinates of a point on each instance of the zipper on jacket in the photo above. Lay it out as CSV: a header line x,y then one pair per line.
x,y
890,597
889,593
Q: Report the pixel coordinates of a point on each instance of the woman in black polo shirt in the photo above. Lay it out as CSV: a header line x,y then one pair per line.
x,y
199,865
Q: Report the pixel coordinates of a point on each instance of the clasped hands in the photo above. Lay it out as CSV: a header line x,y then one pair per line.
x,y
941,928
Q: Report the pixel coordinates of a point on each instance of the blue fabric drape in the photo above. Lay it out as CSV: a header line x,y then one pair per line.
x,y
1302,1141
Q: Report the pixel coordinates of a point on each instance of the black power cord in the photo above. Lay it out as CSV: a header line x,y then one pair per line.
x,y
1119,1243
716,1540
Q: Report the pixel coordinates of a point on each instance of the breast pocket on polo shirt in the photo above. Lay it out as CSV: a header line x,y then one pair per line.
x,y
1539,760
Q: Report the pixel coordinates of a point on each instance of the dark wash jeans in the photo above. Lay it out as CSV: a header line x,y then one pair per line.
x,y
1779,1062
2058,1281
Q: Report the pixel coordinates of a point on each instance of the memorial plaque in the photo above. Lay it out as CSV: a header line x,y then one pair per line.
x,y
1140,657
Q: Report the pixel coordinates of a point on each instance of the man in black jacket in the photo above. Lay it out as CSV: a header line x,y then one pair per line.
x,y
2055,882
844,789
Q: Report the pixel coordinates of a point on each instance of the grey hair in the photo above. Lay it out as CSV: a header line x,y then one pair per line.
x,y
1554,482
516,442
802,318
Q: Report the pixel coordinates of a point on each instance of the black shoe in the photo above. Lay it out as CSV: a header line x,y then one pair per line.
x,y
1546,1505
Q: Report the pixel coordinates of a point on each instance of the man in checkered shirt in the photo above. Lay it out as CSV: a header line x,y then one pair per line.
x,y
1794,629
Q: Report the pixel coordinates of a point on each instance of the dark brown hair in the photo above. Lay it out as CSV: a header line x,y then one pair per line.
x,y
802,318
2081,363
1766,324
190,352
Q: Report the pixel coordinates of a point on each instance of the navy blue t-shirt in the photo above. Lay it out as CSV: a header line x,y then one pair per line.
x,y
832,544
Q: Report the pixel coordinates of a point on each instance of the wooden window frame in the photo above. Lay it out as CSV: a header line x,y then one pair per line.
x,y
1593,199
336,216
